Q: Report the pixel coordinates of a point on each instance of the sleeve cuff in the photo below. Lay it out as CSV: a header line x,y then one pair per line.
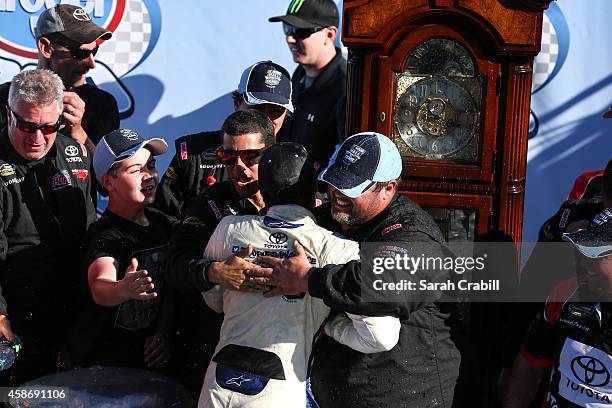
x,y
538,362
203,284
316,282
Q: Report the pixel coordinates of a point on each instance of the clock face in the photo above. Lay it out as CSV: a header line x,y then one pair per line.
x,y
437,104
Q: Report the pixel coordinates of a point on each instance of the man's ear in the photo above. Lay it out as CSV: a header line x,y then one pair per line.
x,y
332,33
44,47
390,188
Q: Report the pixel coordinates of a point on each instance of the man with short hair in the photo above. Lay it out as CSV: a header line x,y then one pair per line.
x,y
319,82
245,134
365,206
571,333
267,342
264,86
45,208
67,43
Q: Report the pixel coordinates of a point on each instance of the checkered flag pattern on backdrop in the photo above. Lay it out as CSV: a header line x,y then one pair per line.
x,y
130,40
544,63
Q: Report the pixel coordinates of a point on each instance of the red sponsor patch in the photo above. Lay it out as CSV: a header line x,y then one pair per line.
x,y
81,174
390,228
183,150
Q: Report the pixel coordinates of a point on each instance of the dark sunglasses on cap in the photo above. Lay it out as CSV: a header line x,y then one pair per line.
x,y
299,33
82,53
250,157
29,127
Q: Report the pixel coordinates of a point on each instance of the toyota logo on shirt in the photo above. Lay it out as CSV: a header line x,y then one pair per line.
x,y
590,371
278,238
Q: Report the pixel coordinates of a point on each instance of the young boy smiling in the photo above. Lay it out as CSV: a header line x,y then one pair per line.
x,y
127,321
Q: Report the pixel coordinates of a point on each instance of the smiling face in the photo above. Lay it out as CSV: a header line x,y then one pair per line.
x,y
133,182
32,146
353,212
242,175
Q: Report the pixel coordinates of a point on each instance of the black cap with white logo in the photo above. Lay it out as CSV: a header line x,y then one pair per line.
x,y
310,14
266,82
69,26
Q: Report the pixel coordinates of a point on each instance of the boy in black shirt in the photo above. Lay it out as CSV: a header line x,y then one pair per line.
x,y
128,320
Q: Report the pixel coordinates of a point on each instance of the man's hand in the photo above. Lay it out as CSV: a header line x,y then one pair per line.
x,y
74,109
290,276
156,351
5,328
230,274
135,284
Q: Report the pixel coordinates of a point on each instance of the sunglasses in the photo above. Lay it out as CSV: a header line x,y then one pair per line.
x,y
82,53
299,33
29,127
249,157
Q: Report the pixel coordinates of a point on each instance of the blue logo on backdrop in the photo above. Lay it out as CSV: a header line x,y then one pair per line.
x,y
548,63
136,26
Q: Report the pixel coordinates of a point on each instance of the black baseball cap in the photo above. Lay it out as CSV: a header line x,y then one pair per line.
x,y
361,161
595,241
285,167
310,14
70,26
266,82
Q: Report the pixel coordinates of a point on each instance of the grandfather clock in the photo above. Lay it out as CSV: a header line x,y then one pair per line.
x,y
450,82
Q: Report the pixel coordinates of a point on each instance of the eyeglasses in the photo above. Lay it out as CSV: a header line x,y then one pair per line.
x,y
29,127
81,53
249,157
299,33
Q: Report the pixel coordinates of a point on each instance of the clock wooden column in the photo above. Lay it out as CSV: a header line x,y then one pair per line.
x,y
449,81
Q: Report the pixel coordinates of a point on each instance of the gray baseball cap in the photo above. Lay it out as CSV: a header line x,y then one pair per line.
x,y
70,26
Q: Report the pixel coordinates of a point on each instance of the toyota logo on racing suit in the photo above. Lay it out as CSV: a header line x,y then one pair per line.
x,y
590,371
278,238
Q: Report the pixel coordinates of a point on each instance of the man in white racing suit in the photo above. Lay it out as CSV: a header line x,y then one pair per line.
x,y
262,358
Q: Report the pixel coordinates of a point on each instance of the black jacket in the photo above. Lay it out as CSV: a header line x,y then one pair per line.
x,y
101,113
421,370
318,120
185,266
189,171
45,208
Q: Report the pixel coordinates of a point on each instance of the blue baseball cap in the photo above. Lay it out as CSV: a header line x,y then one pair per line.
x,y
360,161
595,241
266,82
122,144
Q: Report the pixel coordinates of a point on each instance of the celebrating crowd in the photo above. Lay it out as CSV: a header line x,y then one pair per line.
x,y
238,272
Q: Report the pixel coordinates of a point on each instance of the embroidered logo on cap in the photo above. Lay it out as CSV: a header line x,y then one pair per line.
x,y
81,15
128,134
353,154
273,78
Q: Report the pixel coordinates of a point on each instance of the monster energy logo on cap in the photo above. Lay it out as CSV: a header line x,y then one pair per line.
x,y
310,14
295,6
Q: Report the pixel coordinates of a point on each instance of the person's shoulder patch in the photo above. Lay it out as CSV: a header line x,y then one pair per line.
x,y
192,221
390,228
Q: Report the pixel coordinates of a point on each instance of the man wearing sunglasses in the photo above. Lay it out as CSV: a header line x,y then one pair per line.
x,y
67,41
264,86
319,82
45,209
245,134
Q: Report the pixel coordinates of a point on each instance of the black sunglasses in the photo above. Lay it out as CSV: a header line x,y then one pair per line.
x,y
299,33
29,127
250,157
81,53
